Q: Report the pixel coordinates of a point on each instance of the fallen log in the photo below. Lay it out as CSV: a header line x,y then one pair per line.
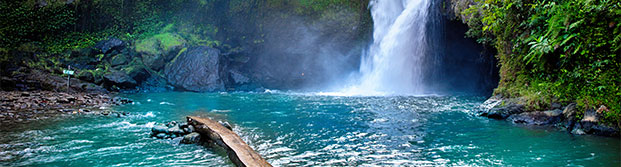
x,y
238,151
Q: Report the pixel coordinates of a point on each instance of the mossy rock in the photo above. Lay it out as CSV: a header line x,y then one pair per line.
x,y
136,70
160,44
119,59
159,49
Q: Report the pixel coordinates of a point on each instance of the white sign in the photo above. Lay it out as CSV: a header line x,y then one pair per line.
x,y
68,72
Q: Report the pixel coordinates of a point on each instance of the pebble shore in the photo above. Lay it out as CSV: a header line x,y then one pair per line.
x,y
24,106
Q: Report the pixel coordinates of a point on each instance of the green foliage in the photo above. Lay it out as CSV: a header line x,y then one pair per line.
x,y
164,42
555,50
22,22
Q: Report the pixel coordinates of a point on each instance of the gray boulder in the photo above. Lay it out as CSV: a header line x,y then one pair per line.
x,y
197,69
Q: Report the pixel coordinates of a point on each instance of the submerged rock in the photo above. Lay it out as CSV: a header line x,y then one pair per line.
x,y
197,69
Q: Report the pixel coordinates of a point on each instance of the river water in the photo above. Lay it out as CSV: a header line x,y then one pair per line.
x,y
291,129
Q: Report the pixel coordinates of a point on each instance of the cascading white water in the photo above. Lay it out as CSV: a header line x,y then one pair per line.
x,y
394,63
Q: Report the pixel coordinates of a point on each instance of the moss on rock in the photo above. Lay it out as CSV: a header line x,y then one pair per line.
x,y
160,44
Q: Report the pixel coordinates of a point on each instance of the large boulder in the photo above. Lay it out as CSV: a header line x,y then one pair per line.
x,y
197,69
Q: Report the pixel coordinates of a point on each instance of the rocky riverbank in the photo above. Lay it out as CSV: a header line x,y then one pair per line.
x,y
23,106
563,117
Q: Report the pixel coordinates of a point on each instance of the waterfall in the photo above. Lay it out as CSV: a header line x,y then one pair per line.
x,y
394,63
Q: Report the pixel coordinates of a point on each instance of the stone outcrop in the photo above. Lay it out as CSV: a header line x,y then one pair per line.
x,y
502,108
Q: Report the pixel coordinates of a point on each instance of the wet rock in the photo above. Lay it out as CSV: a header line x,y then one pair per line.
x,y
577,131
490,103
191,129
537,117
159,129
175,130
197,69
161,135
191,138
504,111
603,130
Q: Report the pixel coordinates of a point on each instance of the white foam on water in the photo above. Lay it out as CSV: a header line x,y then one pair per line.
x,y
166,103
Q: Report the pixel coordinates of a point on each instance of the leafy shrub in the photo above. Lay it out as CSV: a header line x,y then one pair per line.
x,y
555,50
